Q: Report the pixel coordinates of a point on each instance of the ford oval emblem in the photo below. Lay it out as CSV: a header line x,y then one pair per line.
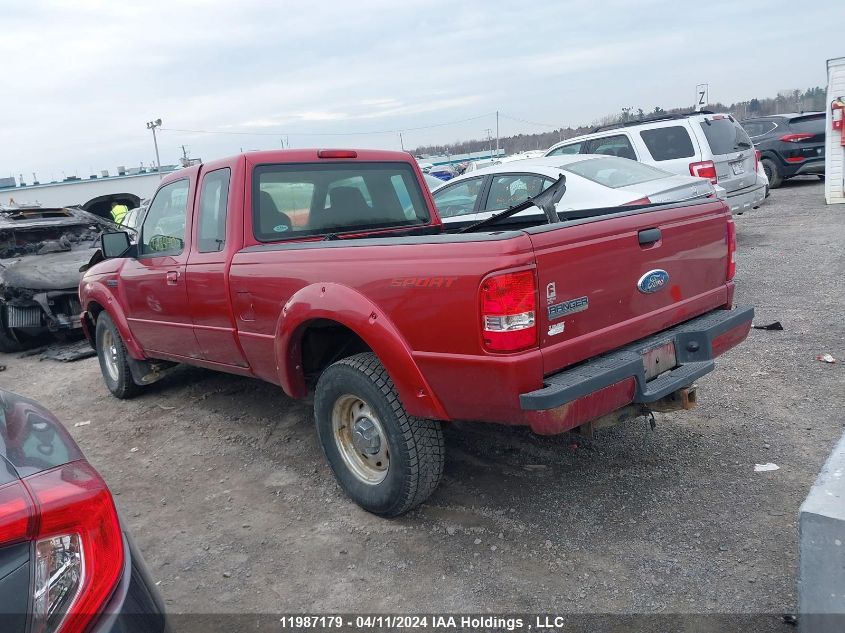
x,y
653,281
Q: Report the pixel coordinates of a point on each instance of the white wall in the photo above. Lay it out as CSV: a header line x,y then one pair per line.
x,y
834,184
63,194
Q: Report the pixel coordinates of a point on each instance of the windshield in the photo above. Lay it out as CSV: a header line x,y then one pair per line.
x,y
333,198
615,172
725,135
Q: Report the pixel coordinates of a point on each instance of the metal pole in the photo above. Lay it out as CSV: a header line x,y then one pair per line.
x,y
401,142
152,125
497,133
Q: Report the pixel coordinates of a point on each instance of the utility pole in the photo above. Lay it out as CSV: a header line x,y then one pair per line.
x,y
152,125
401,142
497,133
489,141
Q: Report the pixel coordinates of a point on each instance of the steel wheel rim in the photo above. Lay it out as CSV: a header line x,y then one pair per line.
x,y
109,348
352,421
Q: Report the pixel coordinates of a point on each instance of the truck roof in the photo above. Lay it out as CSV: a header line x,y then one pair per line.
x,y
309,155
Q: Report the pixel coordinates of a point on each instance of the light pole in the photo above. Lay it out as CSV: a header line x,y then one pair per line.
x,y
152,125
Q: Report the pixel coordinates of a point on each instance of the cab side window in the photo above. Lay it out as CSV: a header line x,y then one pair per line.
x,y
163,232
458,199
214,198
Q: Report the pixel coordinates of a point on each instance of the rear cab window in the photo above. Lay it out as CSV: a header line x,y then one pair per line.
x,y
724,135
668,143
293,200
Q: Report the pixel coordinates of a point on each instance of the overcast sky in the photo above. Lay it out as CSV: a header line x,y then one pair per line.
x,y
80,78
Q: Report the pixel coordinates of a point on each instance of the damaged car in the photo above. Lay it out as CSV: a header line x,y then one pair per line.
x,y
41,252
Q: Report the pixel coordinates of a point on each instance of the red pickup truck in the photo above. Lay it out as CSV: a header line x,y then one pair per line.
x,y
329,271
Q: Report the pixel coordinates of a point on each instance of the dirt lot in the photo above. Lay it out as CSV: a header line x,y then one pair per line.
x,y
223,484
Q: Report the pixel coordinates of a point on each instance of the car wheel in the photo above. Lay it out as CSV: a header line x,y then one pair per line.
x,y
113,356
385,460
8,343
772,173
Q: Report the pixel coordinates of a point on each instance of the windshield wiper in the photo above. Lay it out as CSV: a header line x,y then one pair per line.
x,y
545,200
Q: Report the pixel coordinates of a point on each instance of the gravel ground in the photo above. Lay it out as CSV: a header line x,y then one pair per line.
x,y
224,487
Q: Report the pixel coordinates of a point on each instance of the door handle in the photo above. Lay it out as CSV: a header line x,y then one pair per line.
x,y
172,277
648,236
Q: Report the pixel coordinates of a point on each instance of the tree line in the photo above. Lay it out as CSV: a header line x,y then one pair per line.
x,y
812,99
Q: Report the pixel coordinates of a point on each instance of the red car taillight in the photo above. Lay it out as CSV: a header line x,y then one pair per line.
x,y
796,138
508,303
16,514
78,549
704,169
731,239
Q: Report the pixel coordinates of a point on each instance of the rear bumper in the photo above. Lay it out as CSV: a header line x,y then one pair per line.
x,y
746,199
810,167
621,373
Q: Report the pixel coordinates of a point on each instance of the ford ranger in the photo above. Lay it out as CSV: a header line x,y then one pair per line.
x,y
329,272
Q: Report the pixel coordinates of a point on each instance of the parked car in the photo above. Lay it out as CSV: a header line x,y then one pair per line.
x,y
395,325
41,251
702,144
443,172
790,144
67,563
592,181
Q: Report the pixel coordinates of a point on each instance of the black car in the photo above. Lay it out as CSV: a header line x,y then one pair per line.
x,y
789,144
67,565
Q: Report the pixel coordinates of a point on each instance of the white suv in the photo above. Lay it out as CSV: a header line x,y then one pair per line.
x,y
703,144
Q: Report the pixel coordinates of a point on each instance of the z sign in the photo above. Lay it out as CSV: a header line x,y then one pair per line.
x,y
701,96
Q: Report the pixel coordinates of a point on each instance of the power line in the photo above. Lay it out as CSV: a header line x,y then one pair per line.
x,y
372,132
513,118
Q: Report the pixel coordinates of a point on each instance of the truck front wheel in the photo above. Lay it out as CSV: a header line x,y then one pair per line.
x,y
385,460
113,356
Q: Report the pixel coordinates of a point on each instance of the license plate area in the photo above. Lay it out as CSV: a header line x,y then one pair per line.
x,y
737,168
659,359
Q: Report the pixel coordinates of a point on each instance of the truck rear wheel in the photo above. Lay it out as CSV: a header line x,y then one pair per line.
x,y
385,460
113,356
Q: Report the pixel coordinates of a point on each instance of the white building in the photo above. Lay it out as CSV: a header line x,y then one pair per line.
x,y
94,194
834,183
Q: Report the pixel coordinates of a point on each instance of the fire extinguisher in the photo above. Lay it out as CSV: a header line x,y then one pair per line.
x,y
837,109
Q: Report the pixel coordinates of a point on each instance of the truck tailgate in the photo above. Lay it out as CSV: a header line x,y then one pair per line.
x,y
595,292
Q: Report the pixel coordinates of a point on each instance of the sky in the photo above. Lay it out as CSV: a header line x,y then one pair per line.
x,y
81,78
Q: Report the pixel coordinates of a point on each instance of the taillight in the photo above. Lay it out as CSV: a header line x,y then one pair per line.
x,y
704,169
757,155
337,153
79,548
508,304
731,239
638,202
794,159
796,138
16,514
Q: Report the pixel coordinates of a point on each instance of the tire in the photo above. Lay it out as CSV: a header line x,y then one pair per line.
x,y
8,344
112,354
772,173
398,471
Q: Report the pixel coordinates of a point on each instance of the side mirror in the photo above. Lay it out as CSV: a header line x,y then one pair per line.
x,y
115,244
